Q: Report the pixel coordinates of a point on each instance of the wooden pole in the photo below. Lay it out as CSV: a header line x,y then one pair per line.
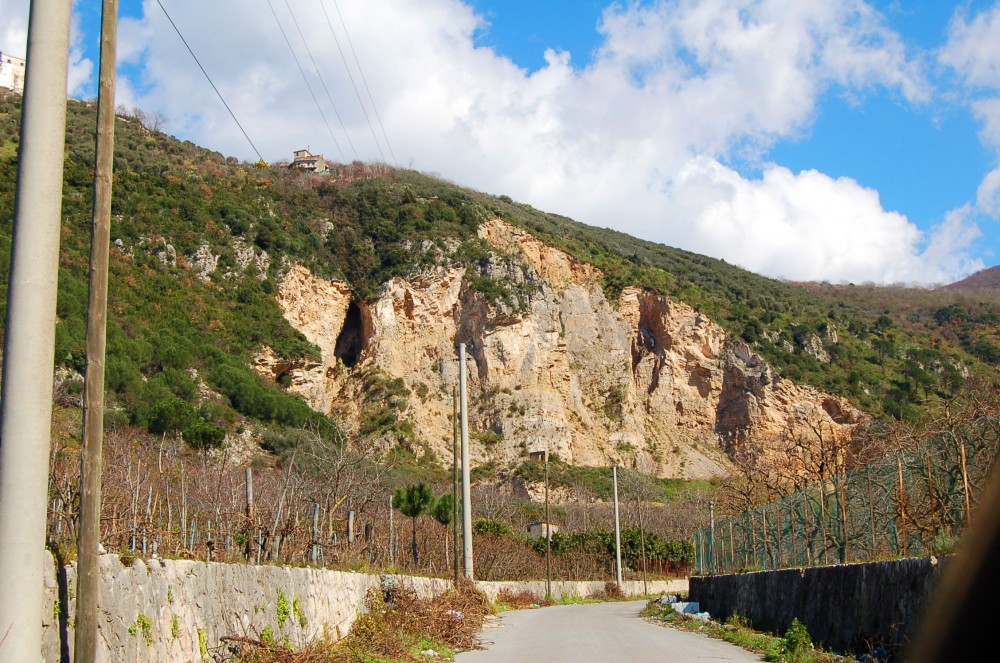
x,y
315,533
902,505
965,485
249,516
871,512
85,633
930,492
847,531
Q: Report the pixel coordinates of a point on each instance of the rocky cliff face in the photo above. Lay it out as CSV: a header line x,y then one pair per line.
x,y
642,381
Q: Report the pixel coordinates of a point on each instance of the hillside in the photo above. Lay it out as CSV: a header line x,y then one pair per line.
x,y
986,279
261,302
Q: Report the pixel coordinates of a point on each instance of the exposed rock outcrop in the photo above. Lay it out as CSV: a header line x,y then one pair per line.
x,y
644,381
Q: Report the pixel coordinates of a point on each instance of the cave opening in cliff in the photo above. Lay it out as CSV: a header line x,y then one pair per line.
x,y
351,340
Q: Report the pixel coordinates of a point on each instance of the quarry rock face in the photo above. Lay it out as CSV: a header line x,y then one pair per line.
x,y
644,381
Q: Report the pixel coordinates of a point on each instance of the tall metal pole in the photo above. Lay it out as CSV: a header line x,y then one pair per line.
x,y
455,481
97,309
29,342
466,487
548,534
618,534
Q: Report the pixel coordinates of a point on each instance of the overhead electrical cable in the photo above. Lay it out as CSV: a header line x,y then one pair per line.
x,y
322,82
221,98
365,81
361,103
306,79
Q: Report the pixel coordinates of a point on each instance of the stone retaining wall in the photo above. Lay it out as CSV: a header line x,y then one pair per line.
x,y
578,589
177,610
847,607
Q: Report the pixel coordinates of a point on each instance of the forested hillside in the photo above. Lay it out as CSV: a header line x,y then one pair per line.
x,y
201,242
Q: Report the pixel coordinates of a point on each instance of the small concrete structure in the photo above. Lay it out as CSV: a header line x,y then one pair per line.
x,y
12,72
538,530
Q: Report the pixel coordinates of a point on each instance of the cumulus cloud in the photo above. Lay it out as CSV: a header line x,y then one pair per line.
x,y
973,51
14,40
637,138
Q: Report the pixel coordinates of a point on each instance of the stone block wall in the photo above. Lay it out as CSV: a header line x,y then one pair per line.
x,y
847,607
177,610
578,589
164,611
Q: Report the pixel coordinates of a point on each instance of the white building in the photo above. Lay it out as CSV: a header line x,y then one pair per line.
x,y
12,72
309,162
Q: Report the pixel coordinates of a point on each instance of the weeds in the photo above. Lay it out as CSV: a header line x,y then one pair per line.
x,y
392,629
795,646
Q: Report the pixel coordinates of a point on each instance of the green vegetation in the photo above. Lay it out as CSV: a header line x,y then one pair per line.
x,y
142,623
413,501
297,611
598,480
676,554
795,646
282,609
396,630
201,242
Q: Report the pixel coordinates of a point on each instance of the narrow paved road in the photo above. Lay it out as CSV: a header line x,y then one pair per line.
x,y
595,633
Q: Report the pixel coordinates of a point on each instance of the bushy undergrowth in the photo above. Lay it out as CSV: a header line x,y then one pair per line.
x,y
795,646
395,626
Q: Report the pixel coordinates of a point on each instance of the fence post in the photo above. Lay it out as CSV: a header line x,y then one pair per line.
x,y
965,485
871,512
843,510
902,505
315,533
763,527
777,514
930,493
250,518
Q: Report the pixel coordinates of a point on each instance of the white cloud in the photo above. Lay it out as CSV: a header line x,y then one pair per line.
x,y
14,40
635,139
973,51
973,48
14,26
809,226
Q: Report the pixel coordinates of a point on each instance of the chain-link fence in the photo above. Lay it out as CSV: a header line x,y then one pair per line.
x,y
911,503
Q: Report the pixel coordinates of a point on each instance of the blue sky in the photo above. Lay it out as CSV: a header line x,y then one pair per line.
x,y
824,139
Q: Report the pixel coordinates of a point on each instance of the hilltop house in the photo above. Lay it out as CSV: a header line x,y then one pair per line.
x,y
309,162
12,72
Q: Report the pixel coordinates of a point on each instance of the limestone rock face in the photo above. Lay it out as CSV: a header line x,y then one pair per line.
x,y
644,381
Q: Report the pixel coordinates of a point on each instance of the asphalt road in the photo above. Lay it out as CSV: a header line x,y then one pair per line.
x,y
598,633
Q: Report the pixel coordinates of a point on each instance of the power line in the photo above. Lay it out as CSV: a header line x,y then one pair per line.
x,y
322,82
353,83
365,81
221,98
306,79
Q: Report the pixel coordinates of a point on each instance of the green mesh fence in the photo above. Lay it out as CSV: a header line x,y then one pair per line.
x,y
912,503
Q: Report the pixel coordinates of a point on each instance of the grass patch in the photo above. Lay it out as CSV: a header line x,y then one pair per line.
x,y
795,646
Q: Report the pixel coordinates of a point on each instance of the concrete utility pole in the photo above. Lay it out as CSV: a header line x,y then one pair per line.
x,y
97,309
456,480
548,533
618,534
29,343
466,486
